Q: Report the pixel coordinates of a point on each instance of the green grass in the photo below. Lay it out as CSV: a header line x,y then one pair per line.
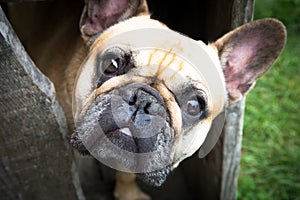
x,y
270,163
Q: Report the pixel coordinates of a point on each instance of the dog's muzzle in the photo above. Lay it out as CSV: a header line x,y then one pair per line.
x,y
129,127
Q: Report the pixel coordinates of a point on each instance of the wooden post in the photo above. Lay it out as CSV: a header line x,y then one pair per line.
x,y
242,12
35,159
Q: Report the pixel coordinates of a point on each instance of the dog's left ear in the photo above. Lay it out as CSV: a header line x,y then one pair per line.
x,y
247,52
99,15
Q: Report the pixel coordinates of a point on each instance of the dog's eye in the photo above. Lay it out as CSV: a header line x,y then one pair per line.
x,y
194,106
114,61
111,65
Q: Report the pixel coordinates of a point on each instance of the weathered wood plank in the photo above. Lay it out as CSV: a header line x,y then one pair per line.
x,y
232,144
242,12
35,159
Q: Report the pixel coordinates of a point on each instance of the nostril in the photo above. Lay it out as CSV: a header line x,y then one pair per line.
x,y
146,108
132,100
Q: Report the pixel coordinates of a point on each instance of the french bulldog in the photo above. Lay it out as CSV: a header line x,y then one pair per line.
x,y
152,101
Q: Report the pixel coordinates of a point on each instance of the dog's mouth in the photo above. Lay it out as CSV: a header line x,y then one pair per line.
x,y
129,129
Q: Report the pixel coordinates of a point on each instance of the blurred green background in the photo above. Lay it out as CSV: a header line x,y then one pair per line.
x,y
270,163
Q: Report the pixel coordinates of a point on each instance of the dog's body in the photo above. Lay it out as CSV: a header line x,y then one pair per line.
x,y
242,55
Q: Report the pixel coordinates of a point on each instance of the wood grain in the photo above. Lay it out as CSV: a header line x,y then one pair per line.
x,y
35,159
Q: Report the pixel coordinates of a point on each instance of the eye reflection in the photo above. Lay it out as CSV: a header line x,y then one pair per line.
x,y
192,107
111,65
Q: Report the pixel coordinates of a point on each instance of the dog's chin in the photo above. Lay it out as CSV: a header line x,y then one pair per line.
x,y
155,178
113,137
122,136
126,142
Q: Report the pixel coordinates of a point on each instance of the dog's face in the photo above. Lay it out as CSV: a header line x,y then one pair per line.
x,y
146,109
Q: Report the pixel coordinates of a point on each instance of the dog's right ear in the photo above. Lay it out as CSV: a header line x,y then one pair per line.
x,y
99,15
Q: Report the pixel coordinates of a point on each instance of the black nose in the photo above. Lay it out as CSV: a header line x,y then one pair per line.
x,y
144,106
145,102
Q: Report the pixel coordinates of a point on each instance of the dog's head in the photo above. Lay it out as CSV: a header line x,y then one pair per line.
x,y
146,96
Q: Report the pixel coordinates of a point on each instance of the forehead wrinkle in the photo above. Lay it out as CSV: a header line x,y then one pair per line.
x,y
161,66
151,56
171,68
173,57
180,68
162,59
